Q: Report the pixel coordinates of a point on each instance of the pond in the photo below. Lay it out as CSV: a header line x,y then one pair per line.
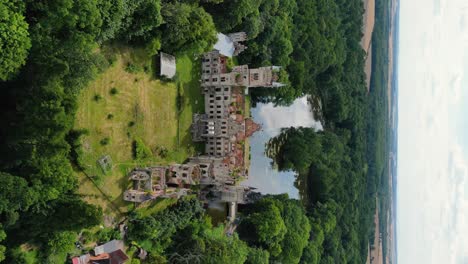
x,y
262,175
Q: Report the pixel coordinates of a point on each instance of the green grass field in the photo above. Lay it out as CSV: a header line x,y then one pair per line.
x,y
143,107
188,84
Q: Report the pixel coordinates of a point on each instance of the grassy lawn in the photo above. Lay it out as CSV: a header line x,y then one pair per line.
x,y
192,101
142,107
156,206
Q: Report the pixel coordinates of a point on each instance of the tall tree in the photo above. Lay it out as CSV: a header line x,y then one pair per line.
x,y
143,22
15,196
187,27
14,38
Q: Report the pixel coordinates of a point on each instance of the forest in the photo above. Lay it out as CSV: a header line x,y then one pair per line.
x,y
50,52
343,168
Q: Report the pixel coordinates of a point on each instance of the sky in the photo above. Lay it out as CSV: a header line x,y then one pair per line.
x,y
432,192
272,119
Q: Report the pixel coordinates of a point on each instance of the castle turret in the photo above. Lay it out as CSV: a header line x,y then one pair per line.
x,y
264,77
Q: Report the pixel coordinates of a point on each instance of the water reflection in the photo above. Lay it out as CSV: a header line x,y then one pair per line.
x,y
261,174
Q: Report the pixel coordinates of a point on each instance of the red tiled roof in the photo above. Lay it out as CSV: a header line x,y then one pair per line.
x,y
118,257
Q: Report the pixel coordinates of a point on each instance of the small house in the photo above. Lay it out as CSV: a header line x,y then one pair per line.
x,y
108,253
167,65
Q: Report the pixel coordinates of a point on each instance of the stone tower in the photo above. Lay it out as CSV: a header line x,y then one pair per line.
x,y
264,77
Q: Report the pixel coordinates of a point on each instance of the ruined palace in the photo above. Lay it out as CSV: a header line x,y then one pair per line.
x,y
223,128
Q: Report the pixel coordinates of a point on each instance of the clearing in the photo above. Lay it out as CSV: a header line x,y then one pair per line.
x,y
125,103
366,41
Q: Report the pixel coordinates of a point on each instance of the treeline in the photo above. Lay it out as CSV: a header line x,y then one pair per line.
x,y
54,54
182,233
333,187
379,131
50,51
343,168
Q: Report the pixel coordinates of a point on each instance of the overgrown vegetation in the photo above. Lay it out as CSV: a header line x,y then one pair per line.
x,y
39,103
341,169
278,226
58,48
182,233
14,38
340,174
140,150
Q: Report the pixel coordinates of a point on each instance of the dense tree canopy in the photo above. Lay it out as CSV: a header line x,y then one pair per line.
x,y
52,49
258,256
14,38
187,27
144,21
334,191
229,14
2,247
155,232
37,111
264,227
181,234
277,225
274,229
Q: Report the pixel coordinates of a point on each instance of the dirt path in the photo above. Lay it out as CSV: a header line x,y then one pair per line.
x,y
366,41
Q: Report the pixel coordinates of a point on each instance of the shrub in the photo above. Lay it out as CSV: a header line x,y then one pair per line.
x,y
180,103
76,151
162,151
132,68
97,97
107,234
140,150
153,47
98,178
110,116
131,123
114,91
229,64
165,79
104,141
111,59
87,236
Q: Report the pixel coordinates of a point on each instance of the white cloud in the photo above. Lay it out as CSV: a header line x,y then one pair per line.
x,y
296,115
273,119
457,211
263,176
433,169
455,87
